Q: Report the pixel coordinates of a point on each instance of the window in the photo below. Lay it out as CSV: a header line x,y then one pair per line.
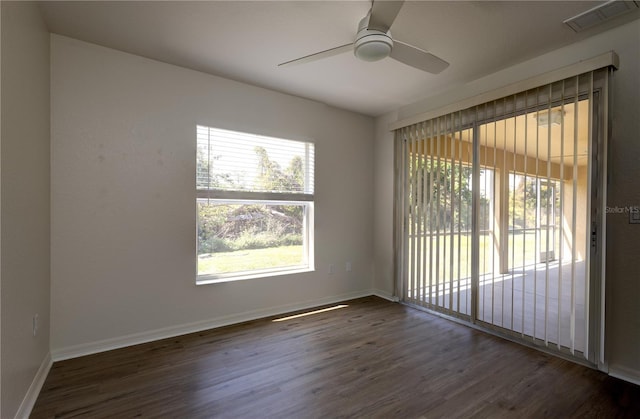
x,y
254,205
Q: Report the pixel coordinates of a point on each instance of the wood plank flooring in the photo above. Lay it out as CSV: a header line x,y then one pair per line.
x,y
370,359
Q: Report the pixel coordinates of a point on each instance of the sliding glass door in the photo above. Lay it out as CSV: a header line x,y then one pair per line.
x,y
438,223
496,206
537,284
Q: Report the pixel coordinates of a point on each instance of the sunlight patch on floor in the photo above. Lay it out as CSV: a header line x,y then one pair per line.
x,y
309,313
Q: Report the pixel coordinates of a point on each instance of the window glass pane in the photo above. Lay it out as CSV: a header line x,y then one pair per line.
x,y
254,236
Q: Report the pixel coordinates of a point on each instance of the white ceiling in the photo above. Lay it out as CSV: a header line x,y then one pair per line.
x,y
245,41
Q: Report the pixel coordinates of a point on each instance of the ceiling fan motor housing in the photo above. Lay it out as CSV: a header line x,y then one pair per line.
x,y
371,44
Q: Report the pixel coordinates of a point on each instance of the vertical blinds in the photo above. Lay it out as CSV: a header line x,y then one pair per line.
x,y
229,161
494,210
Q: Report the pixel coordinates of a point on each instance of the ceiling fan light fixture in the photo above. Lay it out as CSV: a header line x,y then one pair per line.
x,y
373,42
373,46
544,118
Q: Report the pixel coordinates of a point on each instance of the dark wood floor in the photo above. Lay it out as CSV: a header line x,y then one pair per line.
x,y
370,359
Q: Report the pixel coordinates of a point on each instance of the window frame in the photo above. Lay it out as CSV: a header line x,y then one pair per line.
x,y
244,197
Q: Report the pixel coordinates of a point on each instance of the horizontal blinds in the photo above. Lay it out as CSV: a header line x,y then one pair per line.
x,y
239,165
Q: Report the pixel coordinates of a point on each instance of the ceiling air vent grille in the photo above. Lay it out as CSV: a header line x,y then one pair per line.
x,y
600,14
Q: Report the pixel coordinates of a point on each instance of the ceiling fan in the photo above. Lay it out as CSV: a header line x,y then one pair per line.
x,y
374,42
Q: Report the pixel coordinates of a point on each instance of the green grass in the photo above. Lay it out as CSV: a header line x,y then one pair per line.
x,y
525,245
522,244
249,260
439,262
275,257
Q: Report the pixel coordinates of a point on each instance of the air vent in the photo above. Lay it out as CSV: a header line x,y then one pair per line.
x,y
600,14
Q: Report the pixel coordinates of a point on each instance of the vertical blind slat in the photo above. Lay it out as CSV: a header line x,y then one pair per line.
x,y
561,213
574,218
589,197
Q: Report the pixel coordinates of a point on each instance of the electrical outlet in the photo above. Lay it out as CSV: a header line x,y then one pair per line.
x,y
332,269
347,266
35,324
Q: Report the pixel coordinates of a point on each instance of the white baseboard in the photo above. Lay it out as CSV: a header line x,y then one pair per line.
x,y
75,351
385,295
624,373
34,389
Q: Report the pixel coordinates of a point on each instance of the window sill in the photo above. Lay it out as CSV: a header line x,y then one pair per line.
x,y
213,279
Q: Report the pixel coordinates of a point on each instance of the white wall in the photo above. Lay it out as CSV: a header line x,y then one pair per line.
x,y
623,264
623,243
383,205
123,198
24,198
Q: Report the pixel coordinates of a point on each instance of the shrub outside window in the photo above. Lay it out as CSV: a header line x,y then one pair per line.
x,y
254,205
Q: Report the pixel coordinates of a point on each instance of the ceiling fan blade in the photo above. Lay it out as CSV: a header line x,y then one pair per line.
x,y
417,58
383,13
318,55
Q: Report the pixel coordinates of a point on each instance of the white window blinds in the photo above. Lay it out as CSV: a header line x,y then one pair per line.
x,y
239,165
